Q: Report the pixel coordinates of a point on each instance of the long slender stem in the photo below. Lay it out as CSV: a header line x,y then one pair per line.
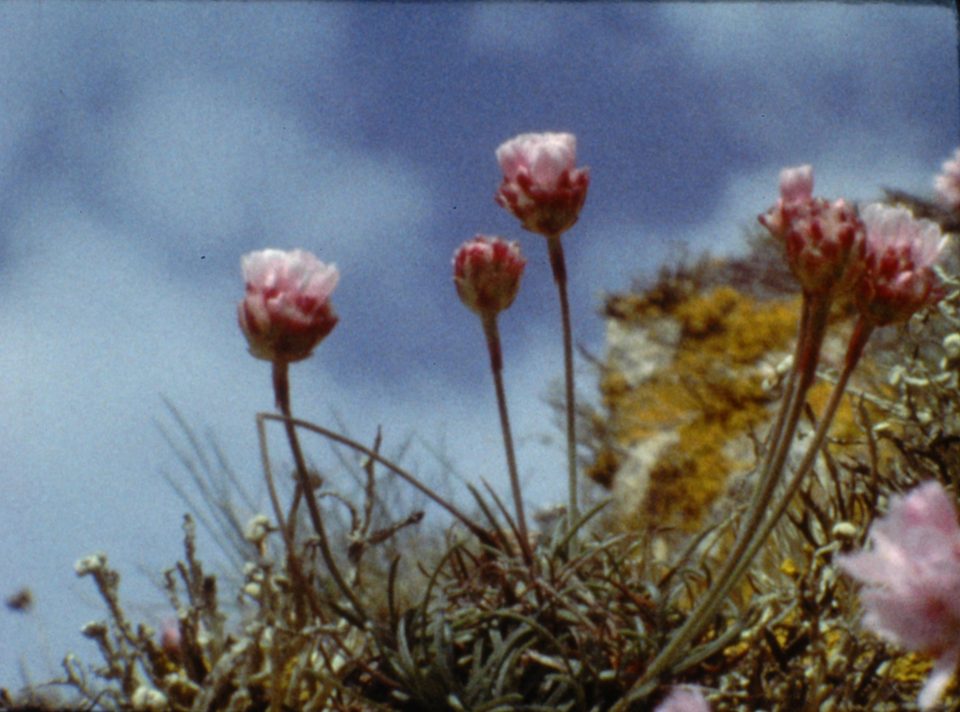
x,y
492,333
293,561
281,388
858,340
559,266
813,326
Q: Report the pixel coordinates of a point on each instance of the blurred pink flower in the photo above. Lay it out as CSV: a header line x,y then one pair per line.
x,y
947,184
487,271
684,699
541,184
823,240
170,639
911,577
901,251
286,311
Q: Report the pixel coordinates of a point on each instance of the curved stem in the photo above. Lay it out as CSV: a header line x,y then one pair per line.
x,y
293,561
813,324
281,387
490,330
474,528
559,267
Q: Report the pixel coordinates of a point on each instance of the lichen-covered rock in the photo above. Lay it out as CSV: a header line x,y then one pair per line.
x,y
691,382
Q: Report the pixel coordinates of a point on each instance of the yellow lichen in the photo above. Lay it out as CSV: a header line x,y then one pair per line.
x,y
711,394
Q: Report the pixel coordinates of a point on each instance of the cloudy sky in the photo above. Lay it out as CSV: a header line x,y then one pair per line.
x,y
145,147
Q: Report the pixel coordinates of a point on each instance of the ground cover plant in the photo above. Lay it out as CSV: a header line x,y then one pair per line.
x,y
834,584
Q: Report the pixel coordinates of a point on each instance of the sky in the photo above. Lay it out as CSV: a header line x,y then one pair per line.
x,y
145,147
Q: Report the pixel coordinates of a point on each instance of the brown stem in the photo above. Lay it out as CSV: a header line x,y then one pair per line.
x,y
559,267
281,386
492,333
293,561
474,528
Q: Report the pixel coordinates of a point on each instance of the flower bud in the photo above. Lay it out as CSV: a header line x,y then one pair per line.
x,y
823,240
486,272
898,277
286,311
541,185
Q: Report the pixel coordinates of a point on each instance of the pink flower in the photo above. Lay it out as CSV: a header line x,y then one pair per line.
x,y
684,699
487,271
170,639
912,580
823,240
286,311
947,184
796,184
541,185
898,278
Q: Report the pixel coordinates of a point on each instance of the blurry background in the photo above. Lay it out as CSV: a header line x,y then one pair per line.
x,y
145,147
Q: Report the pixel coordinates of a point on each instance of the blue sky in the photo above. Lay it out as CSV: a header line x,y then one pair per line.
x,y
145,147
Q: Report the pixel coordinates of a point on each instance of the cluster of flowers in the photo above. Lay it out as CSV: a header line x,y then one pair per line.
x,y
883,255
286,311
880,255
886,259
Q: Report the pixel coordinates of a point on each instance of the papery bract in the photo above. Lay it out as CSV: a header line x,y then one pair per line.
x,y
541,184
684,699
486,272
898,277
911,577
946,185
823,240
286,311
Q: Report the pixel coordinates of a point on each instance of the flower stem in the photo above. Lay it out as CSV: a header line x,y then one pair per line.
x,y
492,333
409,478
858,340
813,323
559,267
281,389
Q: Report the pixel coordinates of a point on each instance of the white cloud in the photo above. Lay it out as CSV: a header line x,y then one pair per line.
x,y
803,74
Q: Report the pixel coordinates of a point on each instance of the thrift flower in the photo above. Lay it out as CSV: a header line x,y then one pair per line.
x,y
898,278
170,639
286,311
823,240
911,577
684,699
541,185
947,184
487,271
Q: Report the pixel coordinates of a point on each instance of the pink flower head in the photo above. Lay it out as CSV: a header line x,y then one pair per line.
x,y
824,240
684,699
487,271
286,311
170,639
541,184
947,184
911,578
898,277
